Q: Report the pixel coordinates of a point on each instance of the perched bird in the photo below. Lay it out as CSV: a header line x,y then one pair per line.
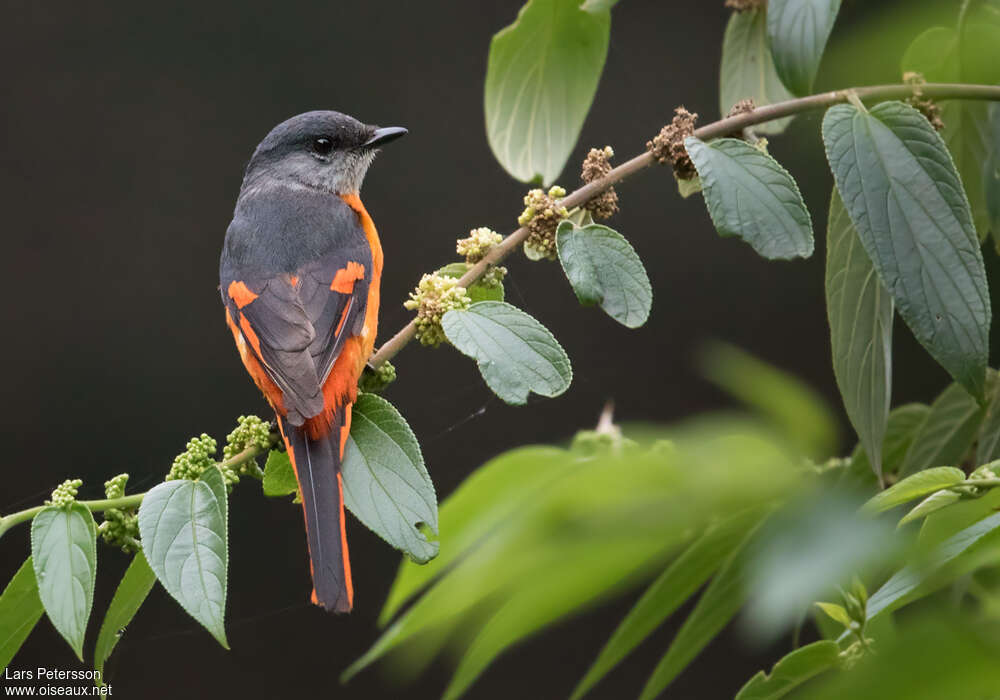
x,y
299,276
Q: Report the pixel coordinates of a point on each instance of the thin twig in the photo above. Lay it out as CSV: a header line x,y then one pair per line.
x,y
722,127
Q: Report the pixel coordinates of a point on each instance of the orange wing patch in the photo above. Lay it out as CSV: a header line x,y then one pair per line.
x,y
345,278
241,294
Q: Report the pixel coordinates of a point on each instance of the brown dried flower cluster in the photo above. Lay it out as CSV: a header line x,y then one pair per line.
x,y
596,165
926,106
668,146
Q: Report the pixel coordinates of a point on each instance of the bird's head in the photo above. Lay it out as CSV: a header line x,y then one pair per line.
x,y
326,151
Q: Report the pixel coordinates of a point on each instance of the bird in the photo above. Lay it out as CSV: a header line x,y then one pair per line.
x,y
299,276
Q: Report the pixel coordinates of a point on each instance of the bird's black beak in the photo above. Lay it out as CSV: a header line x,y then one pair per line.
x,y
384,135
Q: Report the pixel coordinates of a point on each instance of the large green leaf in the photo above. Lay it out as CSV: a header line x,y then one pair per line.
x,y
185,537
716,607
905,199
129,596
915,486
860,311
946,434
64,555
515,353
791,671
904,423
541,78
675,585
604,269
991,172
20,611
748,69
942,58
797,31
386,484
750,196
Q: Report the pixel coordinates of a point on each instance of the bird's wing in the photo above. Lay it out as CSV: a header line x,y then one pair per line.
x,y
295,320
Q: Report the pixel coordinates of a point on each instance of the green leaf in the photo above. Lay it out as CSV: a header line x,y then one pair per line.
x,y
915,486
942,58
515,353
835,612
478,291
20,611
486,500
131,593
988,440
716,607
185,536
748,69
750,196
898,589
991,173
675,585
604,269
797,31
792,406
64,555
860,315
541,78
934,502
791,671
279,476
904,423
906,201
386,484
946,434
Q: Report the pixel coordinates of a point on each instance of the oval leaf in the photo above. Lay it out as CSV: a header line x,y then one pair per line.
x,y
604,269
541,78
184,532
751,196
946,434
797,31
515,353
916,486
906,201
64,554
860,313
748,69
131,593
386,485
279,477
20,611
791,671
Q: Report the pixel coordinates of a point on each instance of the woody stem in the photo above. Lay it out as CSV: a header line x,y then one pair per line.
x,y
722,127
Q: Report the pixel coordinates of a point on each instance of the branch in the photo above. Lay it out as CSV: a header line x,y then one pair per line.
x,y
729,125
132,500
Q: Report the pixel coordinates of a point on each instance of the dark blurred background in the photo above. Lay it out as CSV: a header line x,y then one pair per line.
x,y
126,128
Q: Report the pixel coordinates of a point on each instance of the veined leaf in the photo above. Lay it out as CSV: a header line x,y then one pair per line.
x,y
515,353
797,31
988,441
675,585
20,611
946,434
604,269
279,476
131,593
185,537
791,671
750,196
860,311
904,423
386,484
942,57
541,78
64,555
748,69
913,487
906,201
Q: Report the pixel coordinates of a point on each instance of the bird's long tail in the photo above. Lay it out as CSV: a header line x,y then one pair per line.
x,y
317,468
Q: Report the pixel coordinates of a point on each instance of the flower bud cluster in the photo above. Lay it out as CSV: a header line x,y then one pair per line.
x,y
435,296
542,214
65,493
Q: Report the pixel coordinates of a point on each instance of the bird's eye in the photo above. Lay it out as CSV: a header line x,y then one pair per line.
x,y
322,146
